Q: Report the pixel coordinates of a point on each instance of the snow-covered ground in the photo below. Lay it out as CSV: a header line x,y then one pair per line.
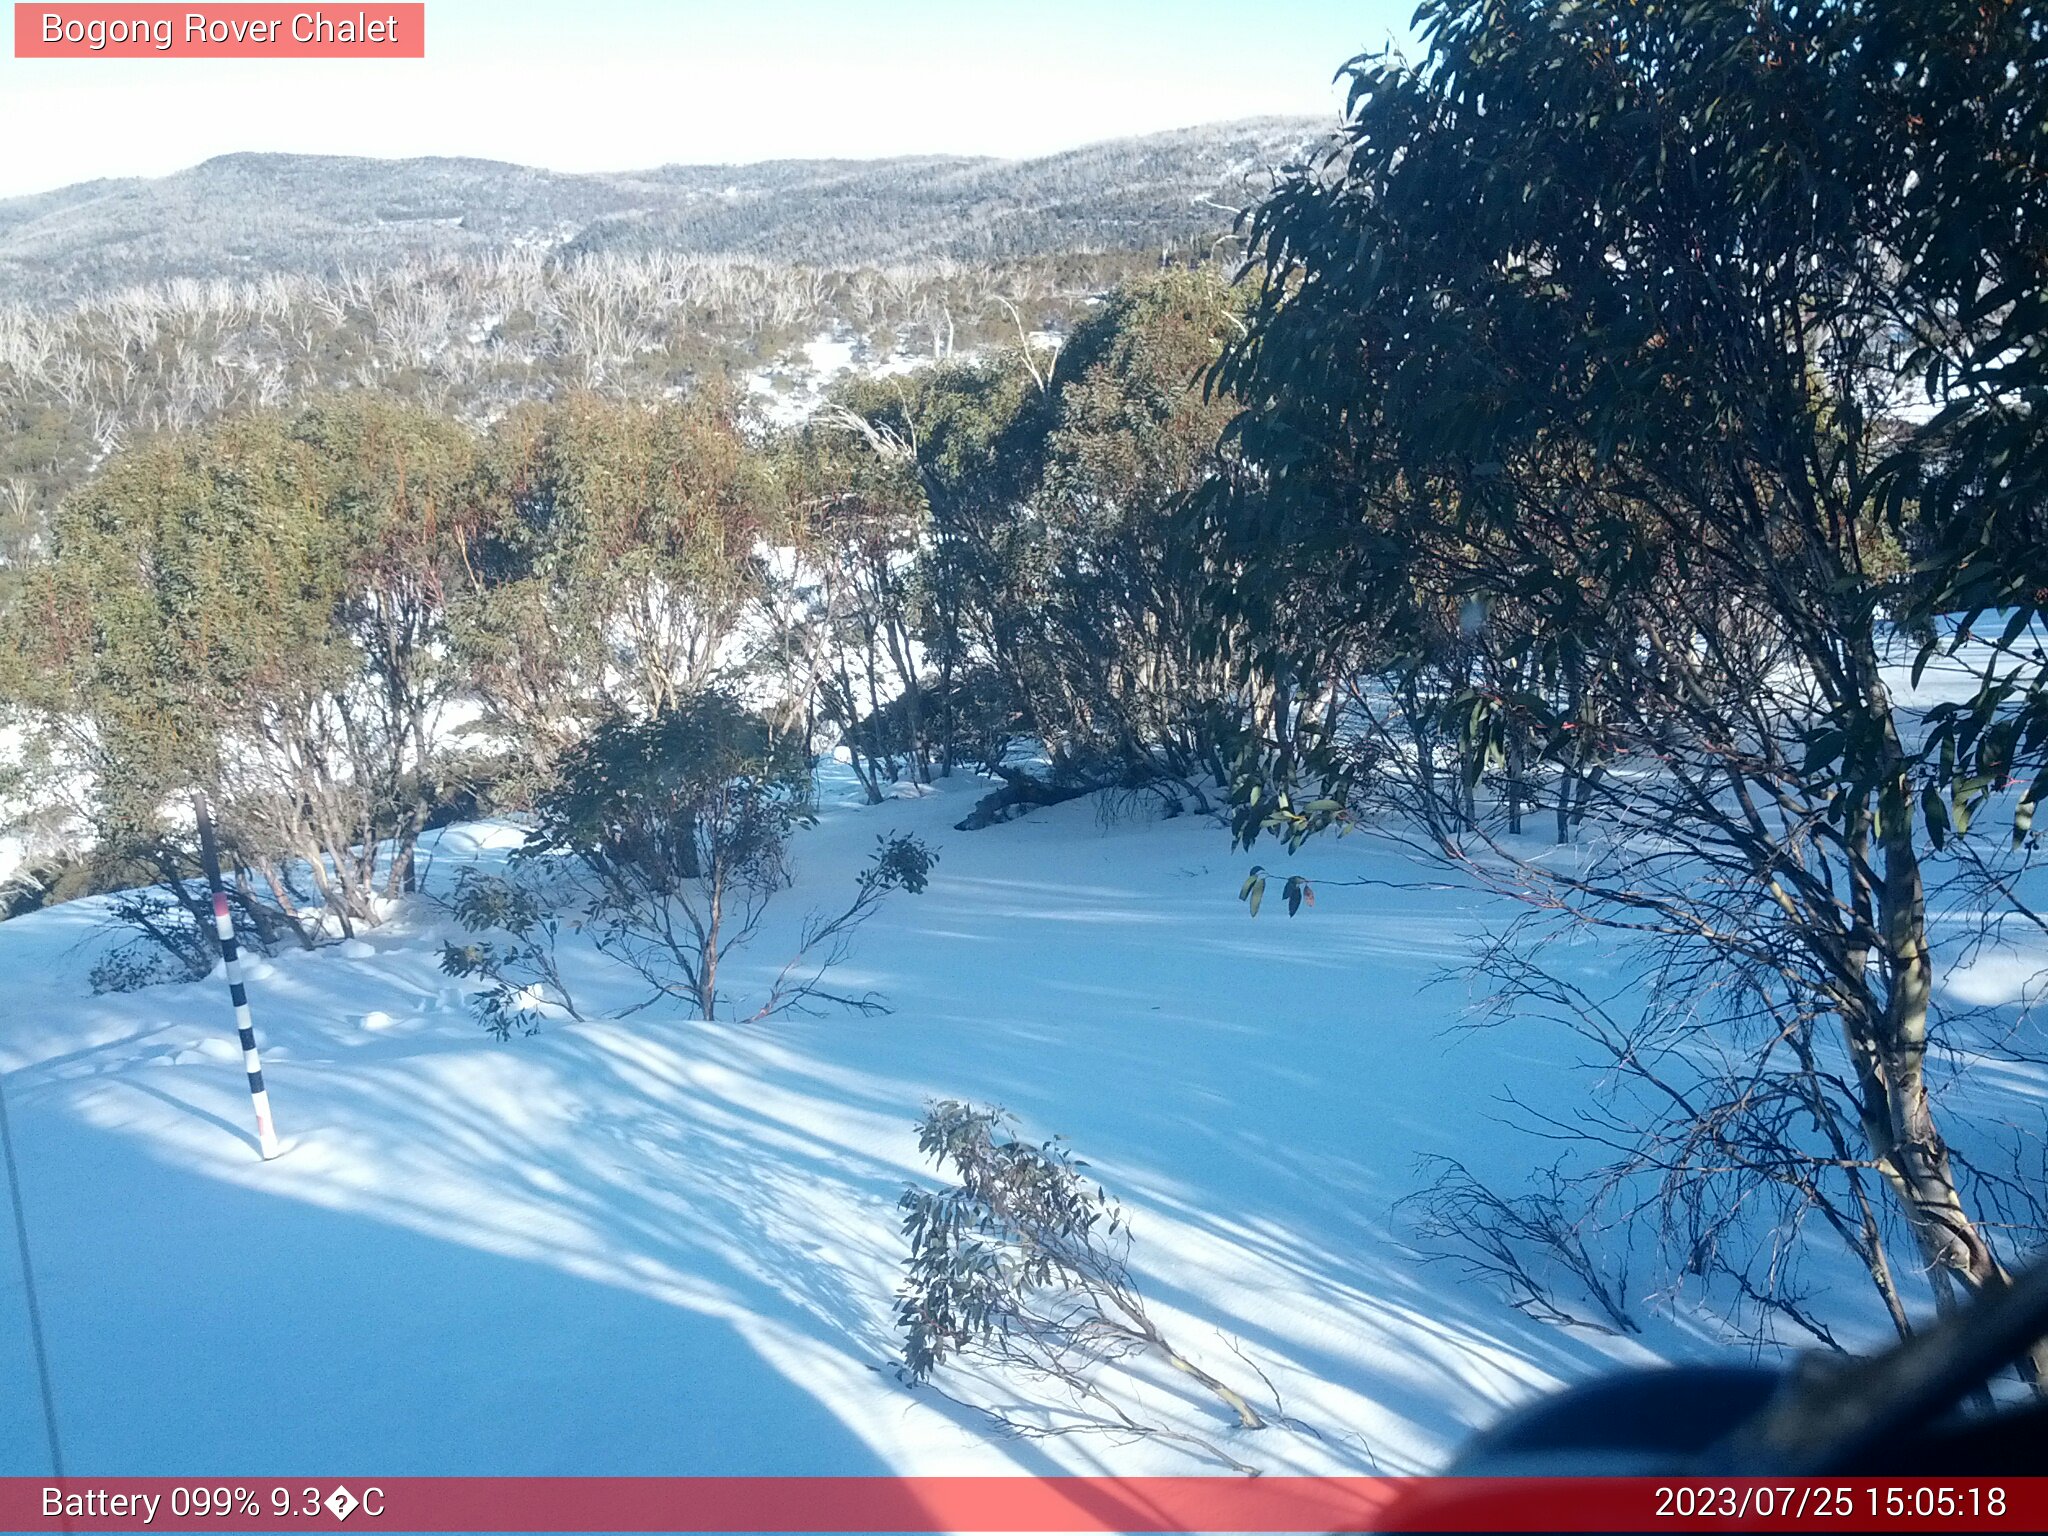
x,y
790,390
651,1245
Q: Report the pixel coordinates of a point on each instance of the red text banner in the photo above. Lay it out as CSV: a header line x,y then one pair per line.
x,y
375,31
1053,1504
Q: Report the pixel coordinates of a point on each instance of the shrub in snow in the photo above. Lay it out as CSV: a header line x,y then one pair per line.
x,y
166,945
1533,1246
682,822
1020,1268
520,966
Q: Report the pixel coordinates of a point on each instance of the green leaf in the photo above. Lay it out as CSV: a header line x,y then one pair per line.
x,y
2016,626
1935,809
2038,790
1823,749
1253,891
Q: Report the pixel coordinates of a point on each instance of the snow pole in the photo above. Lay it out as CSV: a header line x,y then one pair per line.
x,y
230,953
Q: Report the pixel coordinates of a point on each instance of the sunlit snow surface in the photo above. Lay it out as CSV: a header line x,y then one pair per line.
x,y
652,1245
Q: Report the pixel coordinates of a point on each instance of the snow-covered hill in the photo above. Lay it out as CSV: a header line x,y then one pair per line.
x,y
246,215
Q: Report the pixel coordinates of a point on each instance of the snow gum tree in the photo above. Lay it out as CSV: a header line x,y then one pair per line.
x,y
964,433
1056,583
859,524
254,611
615,547
1117,593
1597,328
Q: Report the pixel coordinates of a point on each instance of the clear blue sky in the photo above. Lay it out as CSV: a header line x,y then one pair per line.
x,y
618,84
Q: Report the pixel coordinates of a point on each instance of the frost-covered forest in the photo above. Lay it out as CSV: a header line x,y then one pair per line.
x,y
252,281
472,336
1077,859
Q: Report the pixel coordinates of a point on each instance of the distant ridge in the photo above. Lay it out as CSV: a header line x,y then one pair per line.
x,y
245,215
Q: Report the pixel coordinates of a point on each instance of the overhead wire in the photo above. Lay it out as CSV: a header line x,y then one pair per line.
x,y
28,1281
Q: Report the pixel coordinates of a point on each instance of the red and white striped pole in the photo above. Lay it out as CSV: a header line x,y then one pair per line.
x,y
230,952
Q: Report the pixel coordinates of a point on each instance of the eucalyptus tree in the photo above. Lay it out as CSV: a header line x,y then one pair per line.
x,y
1045,503
612,550
1603,326
1130,660
256,612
